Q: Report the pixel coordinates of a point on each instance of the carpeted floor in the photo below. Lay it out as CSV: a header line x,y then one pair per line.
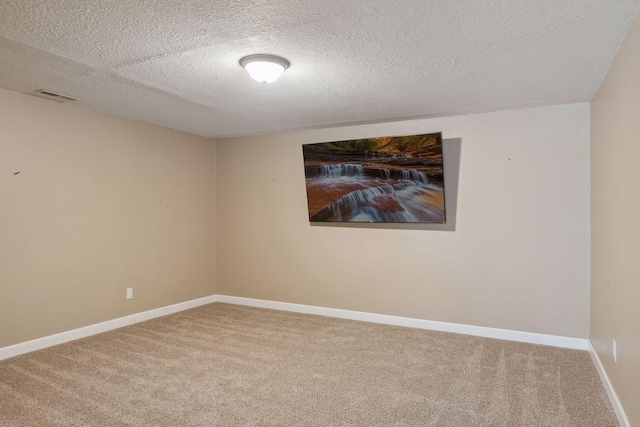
x,y
227,365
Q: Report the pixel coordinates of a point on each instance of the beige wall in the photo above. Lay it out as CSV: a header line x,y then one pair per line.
x,y
518,258
615,225
100,204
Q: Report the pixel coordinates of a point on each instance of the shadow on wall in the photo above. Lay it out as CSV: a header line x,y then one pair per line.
x,y
451,149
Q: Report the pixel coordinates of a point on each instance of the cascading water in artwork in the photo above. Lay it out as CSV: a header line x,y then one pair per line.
x,y
394,179
405,199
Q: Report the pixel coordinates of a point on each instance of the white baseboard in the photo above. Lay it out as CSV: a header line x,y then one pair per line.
x,y
51,340
504,334
481,331
613,397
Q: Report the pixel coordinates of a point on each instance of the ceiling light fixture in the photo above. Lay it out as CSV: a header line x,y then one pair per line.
x,y
264,68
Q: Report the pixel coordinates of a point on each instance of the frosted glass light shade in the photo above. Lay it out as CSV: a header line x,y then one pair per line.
x,y
264,68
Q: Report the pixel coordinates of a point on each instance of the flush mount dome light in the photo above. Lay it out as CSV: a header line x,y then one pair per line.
x,y
264,68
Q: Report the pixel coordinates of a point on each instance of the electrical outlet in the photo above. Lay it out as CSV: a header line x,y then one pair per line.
x,y
614,351
129,293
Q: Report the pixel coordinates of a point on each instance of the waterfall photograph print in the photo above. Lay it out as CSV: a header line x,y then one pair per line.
x,y
389,179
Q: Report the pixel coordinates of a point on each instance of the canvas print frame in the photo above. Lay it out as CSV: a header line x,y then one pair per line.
x,y
390,179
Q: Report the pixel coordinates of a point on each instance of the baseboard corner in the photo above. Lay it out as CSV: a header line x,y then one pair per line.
x,y
608,387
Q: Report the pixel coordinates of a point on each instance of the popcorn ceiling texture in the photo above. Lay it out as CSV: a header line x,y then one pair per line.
x,y
175,63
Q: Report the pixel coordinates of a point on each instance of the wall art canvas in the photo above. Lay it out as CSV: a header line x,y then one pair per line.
x,y
395,179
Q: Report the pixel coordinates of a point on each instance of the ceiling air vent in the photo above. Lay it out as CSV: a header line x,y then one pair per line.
x,y
55,95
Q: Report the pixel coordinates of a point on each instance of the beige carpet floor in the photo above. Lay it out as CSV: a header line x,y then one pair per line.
x,y
227,365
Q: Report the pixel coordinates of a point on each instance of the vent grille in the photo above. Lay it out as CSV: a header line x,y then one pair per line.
x,y
56,95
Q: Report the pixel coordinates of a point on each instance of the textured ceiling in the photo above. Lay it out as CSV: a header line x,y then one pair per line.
x,y
175,62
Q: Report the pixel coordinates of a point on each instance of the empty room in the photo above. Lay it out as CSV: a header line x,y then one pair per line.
x,y
319,213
